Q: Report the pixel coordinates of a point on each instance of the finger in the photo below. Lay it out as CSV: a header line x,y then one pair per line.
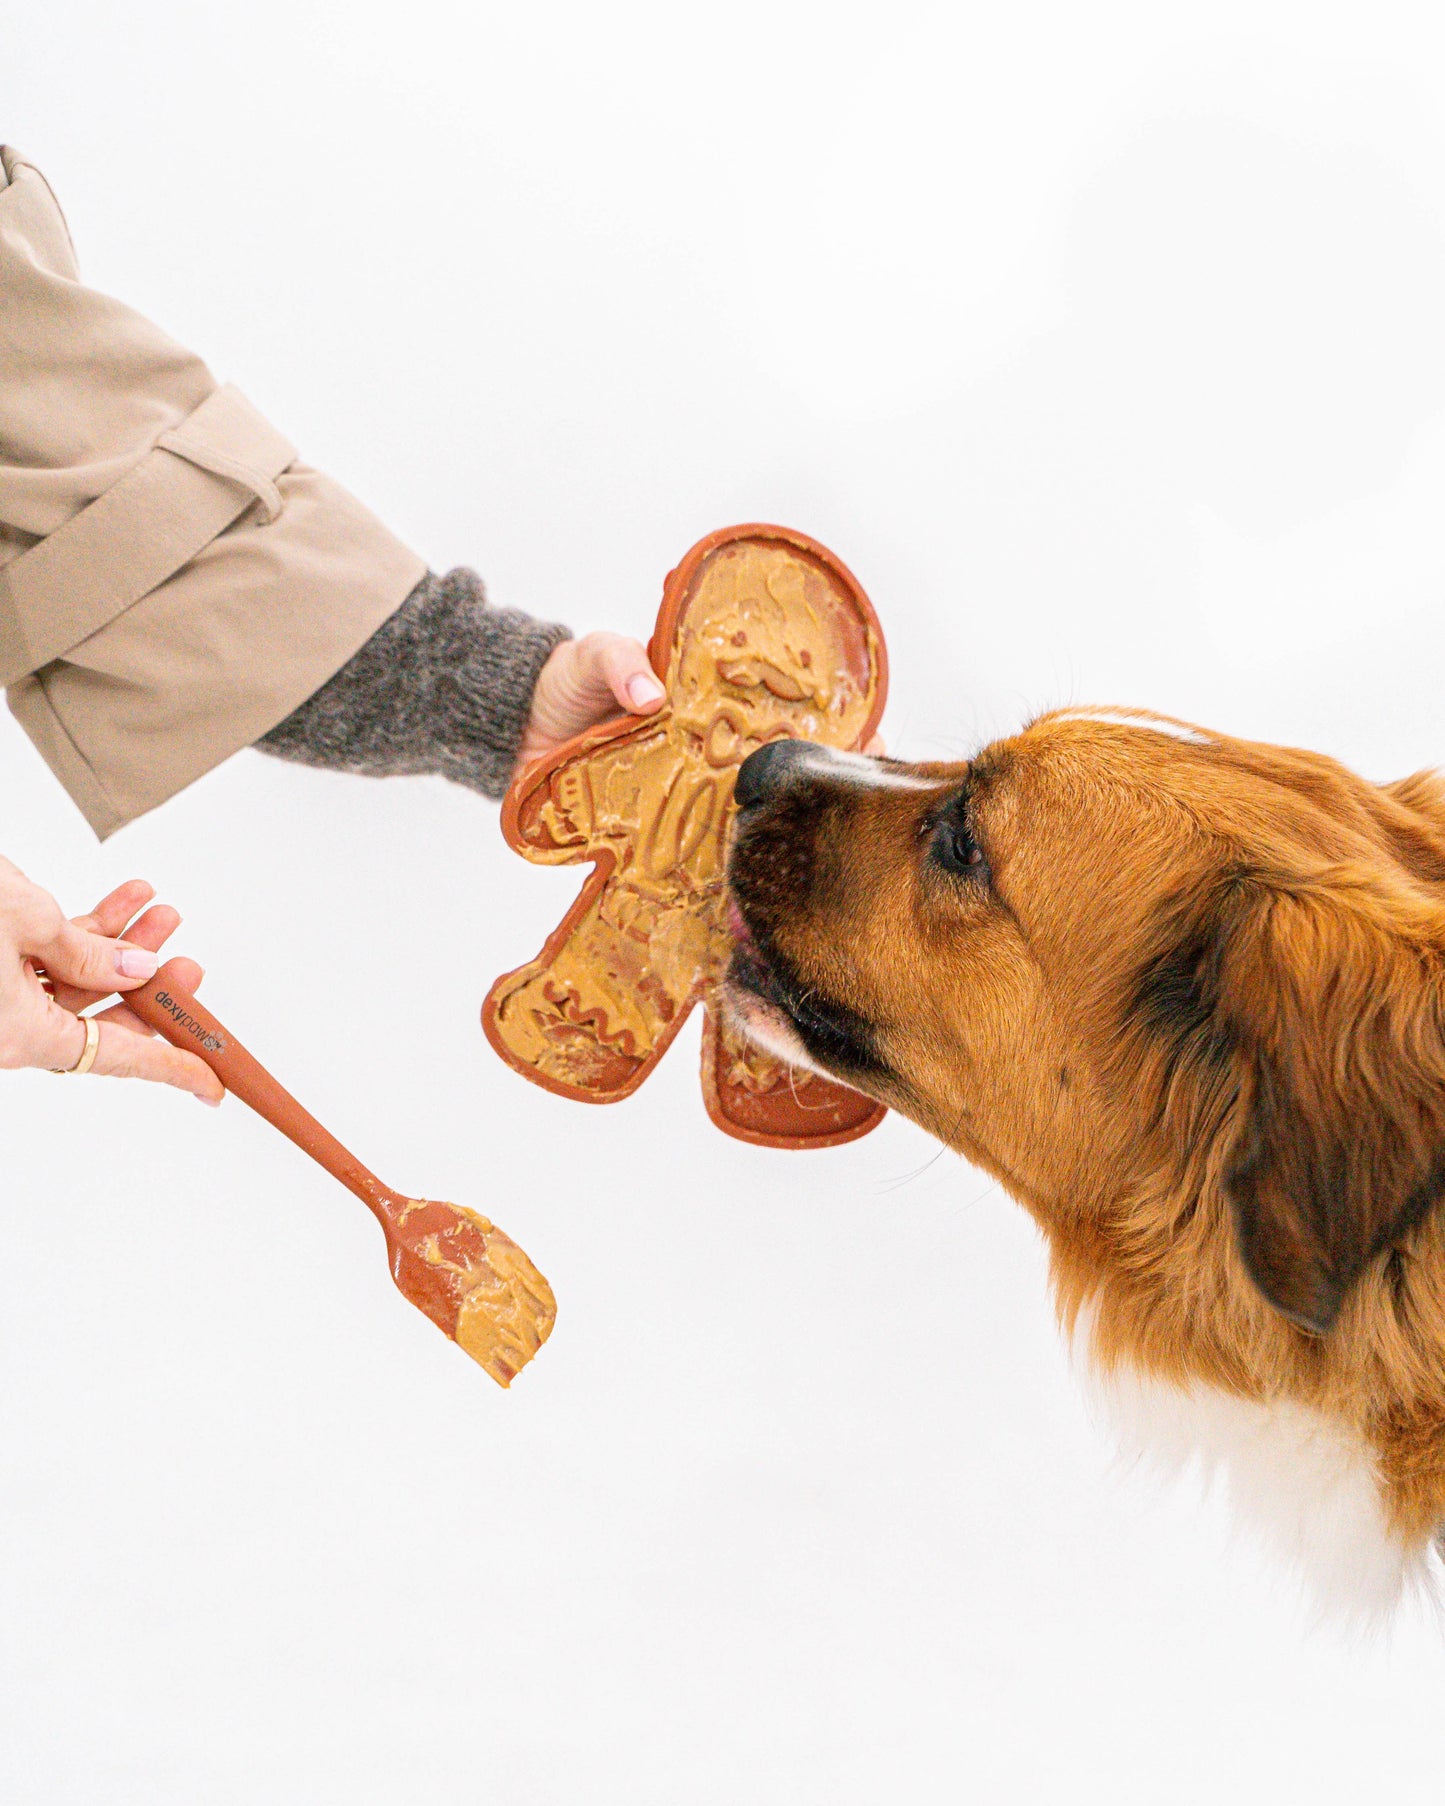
x,y
150,932
111,914
124,1017
54,1042
629,676
185,973
90,962
122,1055
876,748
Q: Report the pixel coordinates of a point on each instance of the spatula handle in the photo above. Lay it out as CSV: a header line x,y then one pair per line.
x,y
186,1023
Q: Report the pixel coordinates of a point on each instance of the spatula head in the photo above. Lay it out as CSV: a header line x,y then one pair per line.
x,y
473,1281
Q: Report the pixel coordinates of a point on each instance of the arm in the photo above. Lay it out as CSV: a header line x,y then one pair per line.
x,y
449,685
445,685
174,582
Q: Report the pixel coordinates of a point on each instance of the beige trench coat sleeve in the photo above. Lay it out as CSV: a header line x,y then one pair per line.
x,y
173,581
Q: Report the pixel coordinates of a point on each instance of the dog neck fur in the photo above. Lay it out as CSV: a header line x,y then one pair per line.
x,y
1299,1482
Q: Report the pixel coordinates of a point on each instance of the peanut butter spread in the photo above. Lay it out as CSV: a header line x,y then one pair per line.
x,y
478,1285
769,642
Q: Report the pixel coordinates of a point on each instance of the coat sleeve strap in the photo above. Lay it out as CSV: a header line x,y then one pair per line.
x,y
199,477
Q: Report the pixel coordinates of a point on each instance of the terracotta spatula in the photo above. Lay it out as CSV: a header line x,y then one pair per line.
x,y
473,1281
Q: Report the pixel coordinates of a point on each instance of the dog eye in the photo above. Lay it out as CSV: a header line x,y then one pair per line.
x,y
955,849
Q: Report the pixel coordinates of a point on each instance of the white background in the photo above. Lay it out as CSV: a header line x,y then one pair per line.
x,y
1107,345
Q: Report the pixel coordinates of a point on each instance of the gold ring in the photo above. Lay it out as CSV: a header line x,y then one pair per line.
x,y
87,1053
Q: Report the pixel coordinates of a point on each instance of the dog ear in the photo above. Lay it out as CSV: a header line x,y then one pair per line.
x,y
1340,1144
1316,1195
1317,1017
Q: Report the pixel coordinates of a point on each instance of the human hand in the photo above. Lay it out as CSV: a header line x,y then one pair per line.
x,y
586,681
86,960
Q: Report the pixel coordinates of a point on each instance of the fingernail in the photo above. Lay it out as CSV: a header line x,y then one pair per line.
x,y
136,962
213,1103
643,690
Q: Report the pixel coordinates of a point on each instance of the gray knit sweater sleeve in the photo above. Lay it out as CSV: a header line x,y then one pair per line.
x,y
445,685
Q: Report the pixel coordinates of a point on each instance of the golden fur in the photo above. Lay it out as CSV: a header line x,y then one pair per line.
x,y
1184,995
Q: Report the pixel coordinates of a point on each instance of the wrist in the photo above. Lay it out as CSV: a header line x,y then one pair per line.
x,y
446,685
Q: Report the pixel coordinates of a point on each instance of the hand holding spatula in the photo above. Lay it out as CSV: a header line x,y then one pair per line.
x,y
473,1282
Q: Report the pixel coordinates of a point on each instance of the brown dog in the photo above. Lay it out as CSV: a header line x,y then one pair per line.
x,y
1184,996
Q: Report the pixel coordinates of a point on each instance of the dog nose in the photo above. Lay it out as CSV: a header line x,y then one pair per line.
x,y
767,771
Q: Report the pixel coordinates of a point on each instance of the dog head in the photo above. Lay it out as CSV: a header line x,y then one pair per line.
x,y
1172,988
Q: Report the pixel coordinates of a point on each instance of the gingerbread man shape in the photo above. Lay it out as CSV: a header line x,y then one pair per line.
x,y
762,634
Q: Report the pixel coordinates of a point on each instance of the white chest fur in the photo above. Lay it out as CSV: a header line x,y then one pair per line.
x,y
1304,1485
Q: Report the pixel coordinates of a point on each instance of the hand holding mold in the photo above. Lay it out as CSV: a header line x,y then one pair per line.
x,y
586,681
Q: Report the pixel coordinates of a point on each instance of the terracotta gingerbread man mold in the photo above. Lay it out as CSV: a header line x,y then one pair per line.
x,y
762,634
